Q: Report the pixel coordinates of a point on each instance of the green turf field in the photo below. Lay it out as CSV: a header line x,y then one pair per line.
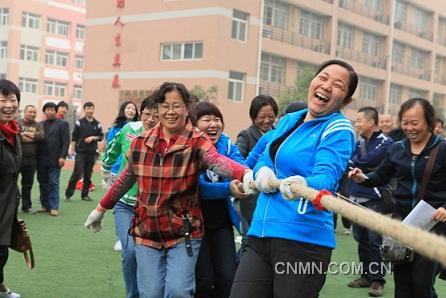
x,y
74,262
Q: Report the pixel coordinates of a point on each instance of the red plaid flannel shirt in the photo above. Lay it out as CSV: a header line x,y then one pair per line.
x,y
167,184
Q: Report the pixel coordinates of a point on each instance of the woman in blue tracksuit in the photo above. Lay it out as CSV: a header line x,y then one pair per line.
x,y
216,267
312,147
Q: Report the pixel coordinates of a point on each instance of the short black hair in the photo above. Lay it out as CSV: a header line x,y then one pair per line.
x,y
370,113
259,102
121,119
295,106
148,103
160,94
352,75
438,120
62,104
88,104
206,108
429,111
49,105
8,88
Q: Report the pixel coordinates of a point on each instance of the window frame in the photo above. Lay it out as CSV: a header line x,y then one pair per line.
x,y
236,84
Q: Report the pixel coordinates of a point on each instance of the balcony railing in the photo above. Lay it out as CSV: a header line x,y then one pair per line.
x,y
296,39
375,61
366,11
271,88
425,34
411,71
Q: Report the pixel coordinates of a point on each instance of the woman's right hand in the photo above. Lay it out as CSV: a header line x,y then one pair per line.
x,y
356,175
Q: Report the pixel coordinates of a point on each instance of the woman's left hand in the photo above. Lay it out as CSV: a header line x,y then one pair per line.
x,y
439,215
236,188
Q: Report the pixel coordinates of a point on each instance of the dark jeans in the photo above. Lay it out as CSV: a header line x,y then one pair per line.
x,y
48,177
27,169
264,270
3,260
369,243
215,268
83,163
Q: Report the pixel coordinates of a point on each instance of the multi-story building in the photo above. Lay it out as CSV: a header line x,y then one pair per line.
x,y
248,47
41,49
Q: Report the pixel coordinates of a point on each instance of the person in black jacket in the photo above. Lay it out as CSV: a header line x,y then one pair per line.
x,y
406,162
86,135
51,155
10,157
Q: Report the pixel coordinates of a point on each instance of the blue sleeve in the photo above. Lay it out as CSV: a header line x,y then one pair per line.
x,y
211,191
111,133
258,149
373,158
235,155
331,158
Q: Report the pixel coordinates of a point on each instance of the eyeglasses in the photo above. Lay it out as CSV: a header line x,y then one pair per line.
x,y
164,107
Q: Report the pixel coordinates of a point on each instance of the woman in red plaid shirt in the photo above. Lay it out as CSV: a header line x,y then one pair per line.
x,y
168,223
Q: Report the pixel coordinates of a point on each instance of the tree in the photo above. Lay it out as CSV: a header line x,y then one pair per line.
x,y
205,95
299,90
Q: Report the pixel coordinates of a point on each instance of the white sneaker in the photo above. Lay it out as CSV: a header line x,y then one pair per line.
x,y
116,247
9,294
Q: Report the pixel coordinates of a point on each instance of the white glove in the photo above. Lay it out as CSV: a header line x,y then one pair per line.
x,y
266,180
105,183
248,179
94,219
285,188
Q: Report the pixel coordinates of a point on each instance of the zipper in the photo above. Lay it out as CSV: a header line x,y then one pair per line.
x,y
264,215
414,180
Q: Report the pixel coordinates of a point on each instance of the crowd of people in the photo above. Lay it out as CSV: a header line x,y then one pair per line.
x,y
179,188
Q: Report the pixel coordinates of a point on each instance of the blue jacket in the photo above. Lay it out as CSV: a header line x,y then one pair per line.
x,y
257,152
110,135
376,148
219,190
318,150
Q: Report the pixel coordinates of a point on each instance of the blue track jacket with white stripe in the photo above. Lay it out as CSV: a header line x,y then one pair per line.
x,y
319,151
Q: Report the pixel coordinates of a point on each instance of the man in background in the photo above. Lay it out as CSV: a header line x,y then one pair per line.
x,y
31,132
84,141
439,127
386,124
61,109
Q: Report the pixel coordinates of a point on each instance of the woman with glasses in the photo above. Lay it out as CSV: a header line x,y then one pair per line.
x,y
168,223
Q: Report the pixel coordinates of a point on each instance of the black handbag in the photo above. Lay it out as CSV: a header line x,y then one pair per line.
x,y
391,250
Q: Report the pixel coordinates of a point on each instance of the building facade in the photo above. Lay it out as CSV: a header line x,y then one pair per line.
x,y
41,49
244,48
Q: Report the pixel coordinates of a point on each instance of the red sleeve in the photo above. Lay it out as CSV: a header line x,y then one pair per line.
x,y
223,165
119,188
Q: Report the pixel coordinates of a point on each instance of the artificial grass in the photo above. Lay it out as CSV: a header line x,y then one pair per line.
x,y
74,262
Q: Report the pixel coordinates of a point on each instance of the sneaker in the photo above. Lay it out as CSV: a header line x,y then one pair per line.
x,y
359,283
376,289
68,199
9,294
54,212
87,198
117,246
42,210
30,211
347,231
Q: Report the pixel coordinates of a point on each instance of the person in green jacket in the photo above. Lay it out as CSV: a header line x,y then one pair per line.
x,y
124,209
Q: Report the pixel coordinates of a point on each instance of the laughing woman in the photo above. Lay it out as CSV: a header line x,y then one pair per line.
x,y
311,147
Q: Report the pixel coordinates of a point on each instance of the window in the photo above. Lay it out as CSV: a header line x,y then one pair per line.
x,y
420,20
375,5
55,89
182,51
58,27
272,68
311,25
236,84
276,14
28,85
239,25
56,58
400,13
79,62
29,53
77,92
418,59
368,89
30,20
398,53
371,44
80,32
3,49
417,93
345,36
395,94
4,16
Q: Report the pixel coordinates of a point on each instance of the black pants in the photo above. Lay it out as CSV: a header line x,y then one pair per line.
x,y
27,170
83,163
280,268
3,260
215,268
